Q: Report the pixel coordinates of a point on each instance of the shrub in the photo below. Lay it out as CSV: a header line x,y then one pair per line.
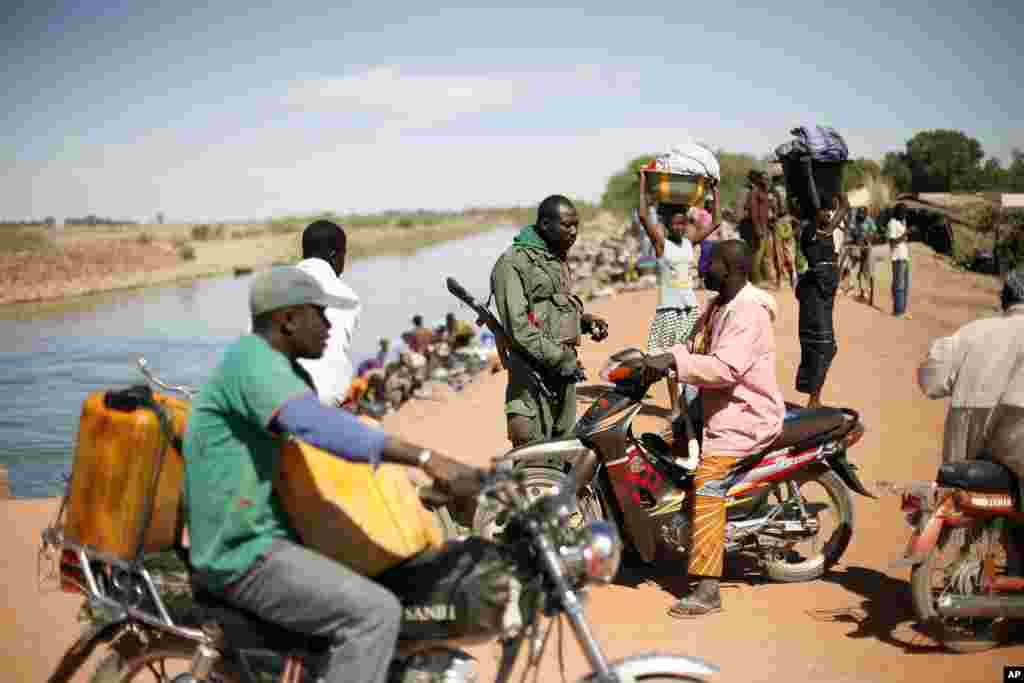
x,y
186,252
144,238
406,222
17,238
284,228
1011,249
201,233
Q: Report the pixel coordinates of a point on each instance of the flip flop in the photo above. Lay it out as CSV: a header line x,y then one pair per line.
x,y
691,608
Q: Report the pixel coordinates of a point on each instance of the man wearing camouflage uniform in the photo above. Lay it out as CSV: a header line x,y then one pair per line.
x,y
531,285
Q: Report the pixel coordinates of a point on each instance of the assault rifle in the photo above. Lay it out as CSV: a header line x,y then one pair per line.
x,y
507,345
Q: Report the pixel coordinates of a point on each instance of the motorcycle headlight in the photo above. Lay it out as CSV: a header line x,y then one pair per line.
x,y
597,556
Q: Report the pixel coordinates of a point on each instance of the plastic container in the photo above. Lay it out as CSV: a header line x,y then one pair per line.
x,y
369,520
671,188
117,459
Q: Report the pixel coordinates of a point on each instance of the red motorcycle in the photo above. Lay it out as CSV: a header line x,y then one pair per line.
x,y
966,578
789,506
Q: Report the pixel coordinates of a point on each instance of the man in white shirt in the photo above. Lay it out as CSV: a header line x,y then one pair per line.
x,y
981,368
323,252
897,230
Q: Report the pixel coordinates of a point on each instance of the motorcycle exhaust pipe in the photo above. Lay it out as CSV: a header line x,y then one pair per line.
x,y
983,606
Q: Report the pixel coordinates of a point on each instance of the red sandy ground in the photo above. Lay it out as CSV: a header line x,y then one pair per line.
x,y
856,624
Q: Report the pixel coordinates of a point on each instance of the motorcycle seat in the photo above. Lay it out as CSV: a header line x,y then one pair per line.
x,y
244,630
977,475
806,424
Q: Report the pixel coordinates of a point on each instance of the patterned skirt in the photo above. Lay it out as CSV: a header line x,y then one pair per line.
x,y
671,326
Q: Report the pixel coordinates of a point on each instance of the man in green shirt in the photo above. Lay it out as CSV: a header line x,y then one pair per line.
x,y
242,546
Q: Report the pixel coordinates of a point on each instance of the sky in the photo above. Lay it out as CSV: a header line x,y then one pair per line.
x,y
248,110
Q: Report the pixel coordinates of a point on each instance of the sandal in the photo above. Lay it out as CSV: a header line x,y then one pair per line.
x,y
691,607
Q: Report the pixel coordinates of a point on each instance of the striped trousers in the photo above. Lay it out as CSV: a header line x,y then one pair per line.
x,y
708,547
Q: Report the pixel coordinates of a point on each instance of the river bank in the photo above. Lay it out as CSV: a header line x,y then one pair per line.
x,y
58,265
854,625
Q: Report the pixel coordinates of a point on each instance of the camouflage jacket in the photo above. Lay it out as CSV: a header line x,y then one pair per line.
x,y
532,291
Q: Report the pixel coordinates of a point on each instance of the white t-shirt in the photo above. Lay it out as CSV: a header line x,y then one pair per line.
x,y
901,252
333,372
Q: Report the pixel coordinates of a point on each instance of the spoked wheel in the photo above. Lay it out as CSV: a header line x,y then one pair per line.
x,y
163,660
489,521
954,566
813,528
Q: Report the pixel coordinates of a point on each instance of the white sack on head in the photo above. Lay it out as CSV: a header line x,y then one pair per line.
x,y
689,158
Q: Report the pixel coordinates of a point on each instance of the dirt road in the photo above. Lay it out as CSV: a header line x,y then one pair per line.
x,y
854,625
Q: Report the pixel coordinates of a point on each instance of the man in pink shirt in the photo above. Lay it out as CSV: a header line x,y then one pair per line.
x,y
733,362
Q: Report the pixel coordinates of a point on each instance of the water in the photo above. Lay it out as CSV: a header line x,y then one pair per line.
x,y
50,362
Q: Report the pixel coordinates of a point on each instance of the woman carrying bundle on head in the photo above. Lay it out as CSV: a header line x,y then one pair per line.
x,y
677,311
816,292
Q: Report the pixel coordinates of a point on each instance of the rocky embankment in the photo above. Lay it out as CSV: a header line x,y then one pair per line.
x,y
603,261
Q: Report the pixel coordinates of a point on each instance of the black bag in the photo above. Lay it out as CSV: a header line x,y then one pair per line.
x,y
463,589
814,184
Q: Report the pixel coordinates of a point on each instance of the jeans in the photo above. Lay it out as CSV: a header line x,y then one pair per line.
x,y
900,285
306,592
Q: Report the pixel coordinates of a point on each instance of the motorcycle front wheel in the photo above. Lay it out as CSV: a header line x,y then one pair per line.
x,y
489,521
954,565
827,505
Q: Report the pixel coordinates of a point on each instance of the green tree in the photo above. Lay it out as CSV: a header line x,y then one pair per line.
x,y
895,166
992,175
622,193
857,172
1015,172
943,160
735,169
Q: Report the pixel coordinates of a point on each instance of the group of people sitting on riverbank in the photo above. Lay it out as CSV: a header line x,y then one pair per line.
x,y
450,353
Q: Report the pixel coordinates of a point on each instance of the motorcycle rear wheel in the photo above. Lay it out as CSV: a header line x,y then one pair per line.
x,y
162,660
791,568
954,547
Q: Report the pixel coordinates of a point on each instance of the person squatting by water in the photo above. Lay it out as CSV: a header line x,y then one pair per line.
x,y
677,310
242,545
733,362
531,286
816,292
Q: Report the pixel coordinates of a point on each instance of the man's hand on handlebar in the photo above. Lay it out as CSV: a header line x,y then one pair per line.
x,y
452,477
658,367
596,327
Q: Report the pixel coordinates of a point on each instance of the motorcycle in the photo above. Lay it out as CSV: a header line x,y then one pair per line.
x,y
966,579
469,591
639,486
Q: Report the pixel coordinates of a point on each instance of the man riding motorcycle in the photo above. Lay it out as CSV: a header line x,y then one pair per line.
x,y
734,364
981,366
242,546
